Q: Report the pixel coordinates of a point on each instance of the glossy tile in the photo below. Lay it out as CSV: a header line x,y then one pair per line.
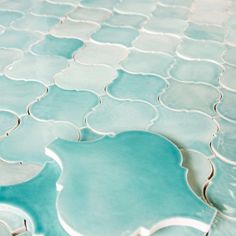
x,y
8,121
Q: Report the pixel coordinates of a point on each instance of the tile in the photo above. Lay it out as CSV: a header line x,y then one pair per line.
x,y
130,20
64,105
227,79
126,194
101,54
218,5
15,147
17,95
223,143
50,9
189,130
196,71
4,229
182,3
221,190
231,37
105,4
197,97
88,135
35,23
37,197
148,63
137,87
226,106
199,170
229,55
8,56
115,35
18,39
148,42
15,5
204,50
8,121
74,29
42,68
122,116
22,172
7,17
52,46
205,32
89,14
79,76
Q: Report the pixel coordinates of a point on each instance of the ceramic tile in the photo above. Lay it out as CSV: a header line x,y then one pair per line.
x,y
226,106
231,37
205,50
148,63
18,39
229,55
221,191
148,42
79,76
42,68
64,105
89,14
116,35
102,54
37,197
224,142
136,87
7,17
197,97
52,46
23,5
122,116
8,121
4,229
183,128
107,4
196,71
38,134
228,78
182,3
87,134
73,29
112,167
218,5
17,95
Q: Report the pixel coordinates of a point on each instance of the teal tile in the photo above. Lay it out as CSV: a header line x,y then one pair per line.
x,y
229,55
137,87
5,229
122,116
196,71
28,141
7,17
37,197
8,121
189,130
228,78
17,95
42,68
197,97
148,63
107,4
51,45
182,3
116,35
15,5
64,105
88,135
128,186
171,12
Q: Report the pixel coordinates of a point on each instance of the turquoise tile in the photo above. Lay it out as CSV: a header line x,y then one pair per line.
x,y
122,116
18,39
197,97
226,106
7,17
4,229
42,68
28,141
16,5
37,197
65,105
189,130
224,142
116,35
182,3
87,135
17,95
124,194
148,63
51,45
81,76
205,32
8,121
137,87
107,4
227,78
231,37
171,12
229,55
196,71
222,190
35,23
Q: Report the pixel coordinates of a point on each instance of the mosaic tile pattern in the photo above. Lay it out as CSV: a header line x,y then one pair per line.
x,y
109,108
